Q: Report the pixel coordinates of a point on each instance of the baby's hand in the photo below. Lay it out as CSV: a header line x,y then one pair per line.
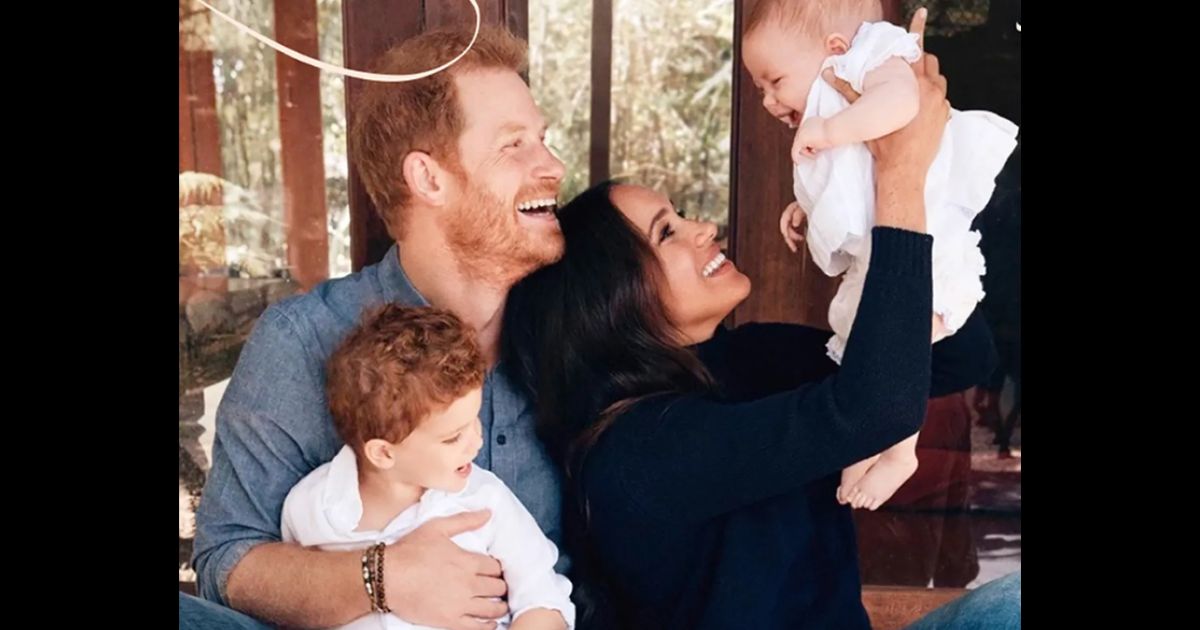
x,y
791,225
812,136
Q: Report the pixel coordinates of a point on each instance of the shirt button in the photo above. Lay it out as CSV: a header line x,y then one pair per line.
x,y
500,439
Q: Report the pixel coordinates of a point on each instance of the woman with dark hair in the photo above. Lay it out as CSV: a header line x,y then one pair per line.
x,y
703,463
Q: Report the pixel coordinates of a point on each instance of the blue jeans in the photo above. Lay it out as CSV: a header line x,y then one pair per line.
x,y
993,606
201,614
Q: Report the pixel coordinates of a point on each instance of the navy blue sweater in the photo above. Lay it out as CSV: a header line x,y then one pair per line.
x,y
719,510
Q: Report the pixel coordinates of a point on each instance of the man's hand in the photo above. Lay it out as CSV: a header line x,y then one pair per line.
x,y
430,580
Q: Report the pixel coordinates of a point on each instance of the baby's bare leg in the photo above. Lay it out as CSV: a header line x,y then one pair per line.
x,y
885,476
851,477
939,329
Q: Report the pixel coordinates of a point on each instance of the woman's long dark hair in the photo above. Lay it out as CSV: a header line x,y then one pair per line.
x,y
585,338
589,335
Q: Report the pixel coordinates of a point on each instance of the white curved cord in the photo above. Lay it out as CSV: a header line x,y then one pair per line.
x,y
357,74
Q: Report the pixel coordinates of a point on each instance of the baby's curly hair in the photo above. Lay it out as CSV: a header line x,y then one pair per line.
x,y
401,364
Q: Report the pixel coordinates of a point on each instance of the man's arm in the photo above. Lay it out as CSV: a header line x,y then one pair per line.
x,y
273,427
